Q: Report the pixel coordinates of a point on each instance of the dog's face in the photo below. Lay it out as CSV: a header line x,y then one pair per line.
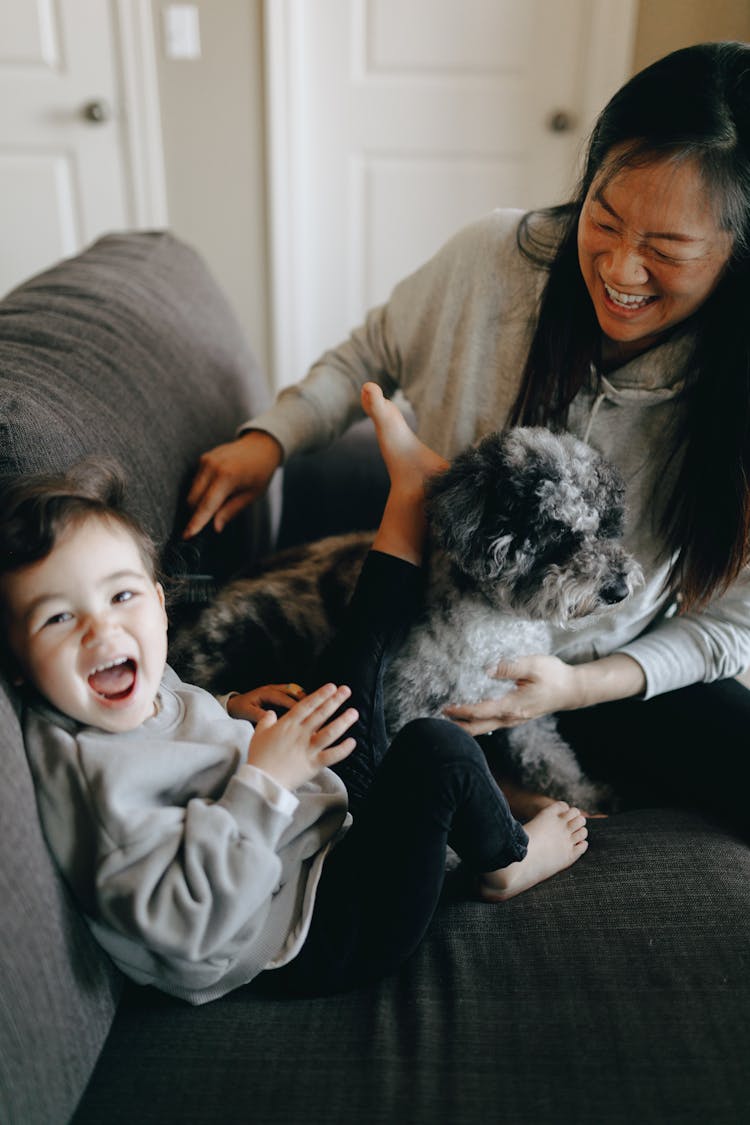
x,y
532,519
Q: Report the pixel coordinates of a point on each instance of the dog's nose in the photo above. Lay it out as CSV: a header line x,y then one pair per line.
x,y
614,591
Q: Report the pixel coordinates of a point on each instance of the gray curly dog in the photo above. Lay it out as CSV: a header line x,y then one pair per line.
x,y
524,534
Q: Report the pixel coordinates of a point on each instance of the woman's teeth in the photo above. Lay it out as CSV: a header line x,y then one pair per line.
x,y
626,300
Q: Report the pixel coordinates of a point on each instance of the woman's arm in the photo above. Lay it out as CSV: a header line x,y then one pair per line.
x,y
437,338
713,644
544,684
681,650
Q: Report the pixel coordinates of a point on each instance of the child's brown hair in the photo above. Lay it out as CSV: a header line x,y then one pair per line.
x,y
37,508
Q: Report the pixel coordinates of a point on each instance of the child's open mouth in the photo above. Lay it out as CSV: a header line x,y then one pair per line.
x,y
115,680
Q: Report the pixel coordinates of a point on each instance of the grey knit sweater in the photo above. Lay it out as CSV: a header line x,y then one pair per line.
x,y
454,337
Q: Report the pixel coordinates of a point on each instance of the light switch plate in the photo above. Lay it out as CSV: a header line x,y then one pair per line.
x,y
182,34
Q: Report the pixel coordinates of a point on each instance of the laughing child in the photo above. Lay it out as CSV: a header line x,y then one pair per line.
x,y
301,852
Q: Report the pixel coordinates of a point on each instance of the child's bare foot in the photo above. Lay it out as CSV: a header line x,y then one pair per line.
x,y
557,838
408,460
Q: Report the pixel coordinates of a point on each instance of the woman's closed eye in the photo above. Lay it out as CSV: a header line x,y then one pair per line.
x,y
606,227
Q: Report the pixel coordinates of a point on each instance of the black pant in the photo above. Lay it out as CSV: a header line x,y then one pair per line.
x,y
689,747
432,787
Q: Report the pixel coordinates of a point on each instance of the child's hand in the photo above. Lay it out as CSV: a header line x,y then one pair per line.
x,y
253,705
295,747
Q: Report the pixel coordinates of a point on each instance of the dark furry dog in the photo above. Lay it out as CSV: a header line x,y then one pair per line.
x,y
523,536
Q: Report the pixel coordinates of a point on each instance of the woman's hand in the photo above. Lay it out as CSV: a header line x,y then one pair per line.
x,y
544,684
295,747
230,477
253,705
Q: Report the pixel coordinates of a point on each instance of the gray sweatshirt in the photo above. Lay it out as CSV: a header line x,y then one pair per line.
x,y
194,869
454,337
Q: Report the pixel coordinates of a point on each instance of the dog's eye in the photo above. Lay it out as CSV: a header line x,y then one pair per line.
x,y
557,551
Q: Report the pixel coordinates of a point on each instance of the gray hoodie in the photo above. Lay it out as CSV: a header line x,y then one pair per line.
x,y
454,337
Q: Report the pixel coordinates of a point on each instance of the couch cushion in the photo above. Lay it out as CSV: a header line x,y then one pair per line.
x,y
616,992
131,350
58,991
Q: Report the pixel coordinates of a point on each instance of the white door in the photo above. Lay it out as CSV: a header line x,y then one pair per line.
x,y
394,122
79,145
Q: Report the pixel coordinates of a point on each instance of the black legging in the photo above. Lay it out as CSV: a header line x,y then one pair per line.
x,y
381,883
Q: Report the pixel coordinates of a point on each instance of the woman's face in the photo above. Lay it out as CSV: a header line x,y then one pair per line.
x,y
650,250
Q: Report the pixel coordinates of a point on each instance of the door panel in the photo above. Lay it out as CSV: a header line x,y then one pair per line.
x,y
395,122
65,175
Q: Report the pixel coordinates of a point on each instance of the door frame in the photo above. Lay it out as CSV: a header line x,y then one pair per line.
x,y
135,42
609,61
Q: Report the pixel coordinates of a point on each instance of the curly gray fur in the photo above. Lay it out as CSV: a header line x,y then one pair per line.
x,y
524,534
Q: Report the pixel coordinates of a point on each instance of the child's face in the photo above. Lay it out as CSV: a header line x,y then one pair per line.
x,y
88,628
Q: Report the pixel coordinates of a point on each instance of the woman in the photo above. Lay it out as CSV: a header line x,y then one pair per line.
x,y
621,316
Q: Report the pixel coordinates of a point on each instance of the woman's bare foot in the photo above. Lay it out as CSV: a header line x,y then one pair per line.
x,y
408,460
557,838
524,803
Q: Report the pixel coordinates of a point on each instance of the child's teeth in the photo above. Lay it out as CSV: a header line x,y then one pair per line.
x,y
111,664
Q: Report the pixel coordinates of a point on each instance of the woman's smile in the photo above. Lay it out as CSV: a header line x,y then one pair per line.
x,y
627,302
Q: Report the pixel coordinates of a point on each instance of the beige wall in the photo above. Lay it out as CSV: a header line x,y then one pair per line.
x,y
213,126
666,25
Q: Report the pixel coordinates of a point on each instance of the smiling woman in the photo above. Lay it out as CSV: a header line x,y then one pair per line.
x,y
651,251
620,316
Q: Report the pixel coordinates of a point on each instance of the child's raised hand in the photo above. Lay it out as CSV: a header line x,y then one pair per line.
x,y
295,747
254,704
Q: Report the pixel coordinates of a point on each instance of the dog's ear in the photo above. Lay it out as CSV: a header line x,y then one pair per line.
x,y
455,504
468,507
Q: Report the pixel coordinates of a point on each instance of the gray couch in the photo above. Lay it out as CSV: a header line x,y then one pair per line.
x,y
616,992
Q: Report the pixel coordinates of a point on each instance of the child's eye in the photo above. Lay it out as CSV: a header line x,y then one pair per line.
x,y
123,596
59,618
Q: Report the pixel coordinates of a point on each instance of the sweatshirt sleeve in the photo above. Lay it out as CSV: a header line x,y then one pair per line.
x,y
314,412
175,845
190,881
410,342
713,644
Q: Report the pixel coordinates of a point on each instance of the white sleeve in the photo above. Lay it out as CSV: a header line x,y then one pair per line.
x,y
713,644
191,881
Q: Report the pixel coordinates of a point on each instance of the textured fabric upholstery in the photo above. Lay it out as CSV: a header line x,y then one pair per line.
x,y
57,991
617,992
128,350
131,350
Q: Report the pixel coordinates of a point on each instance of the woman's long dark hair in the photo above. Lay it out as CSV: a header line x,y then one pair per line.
x,y
693,105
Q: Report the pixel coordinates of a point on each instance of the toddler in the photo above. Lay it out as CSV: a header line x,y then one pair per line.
x,y
303,852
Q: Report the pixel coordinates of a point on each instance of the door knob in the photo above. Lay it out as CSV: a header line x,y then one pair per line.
x,y
97,111
560,121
